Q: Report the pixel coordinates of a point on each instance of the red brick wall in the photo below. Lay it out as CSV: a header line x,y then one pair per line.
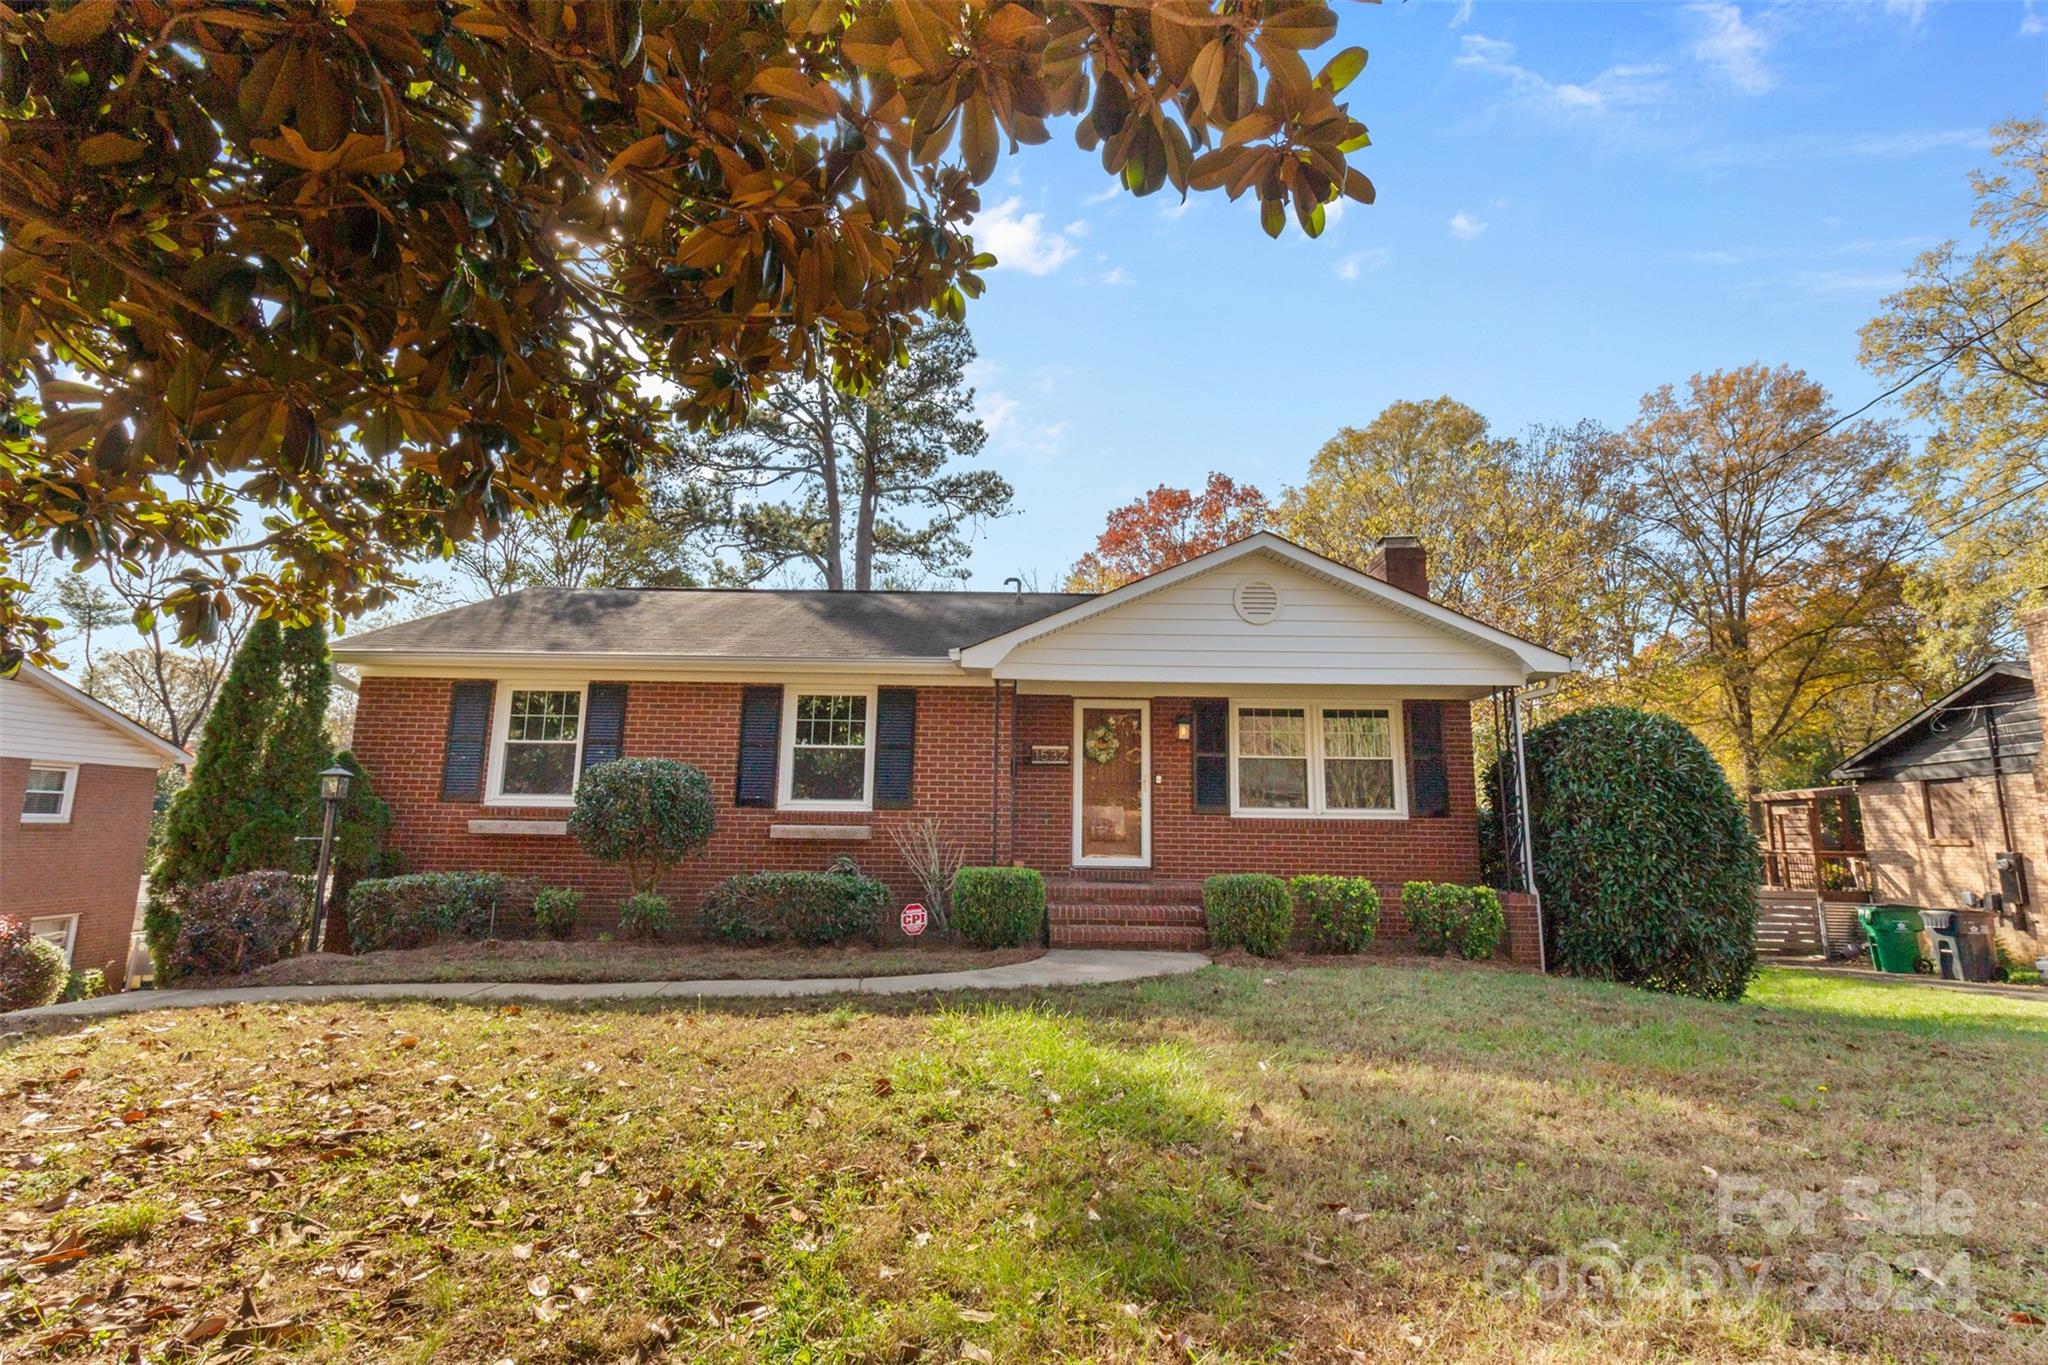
x,y
401,726
1185,844
90,867
401,729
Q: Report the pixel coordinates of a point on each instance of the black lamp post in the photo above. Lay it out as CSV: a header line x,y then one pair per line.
x,y
333,791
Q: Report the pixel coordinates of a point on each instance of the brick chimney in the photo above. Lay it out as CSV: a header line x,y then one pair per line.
x,y
1401,561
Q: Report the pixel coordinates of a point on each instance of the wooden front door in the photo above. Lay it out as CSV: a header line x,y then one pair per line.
x,y
1112,783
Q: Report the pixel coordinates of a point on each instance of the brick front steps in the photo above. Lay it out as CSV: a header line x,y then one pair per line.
x,y
1124,910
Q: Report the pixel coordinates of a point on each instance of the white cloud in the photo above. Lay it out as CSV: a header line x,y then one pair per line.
x,y
1116,274
1910,11
1465,226
1359,262
1732,47
1462,15
1105,194
1621,86
1838,146
2033,21
1020,240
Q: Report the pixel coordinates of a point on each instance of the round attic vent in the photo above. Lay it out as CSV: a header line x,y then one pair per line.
x,y
1257,601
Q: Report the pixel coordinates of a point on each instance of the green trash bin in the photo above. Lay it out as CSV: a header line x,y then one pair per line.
x,y
1893,933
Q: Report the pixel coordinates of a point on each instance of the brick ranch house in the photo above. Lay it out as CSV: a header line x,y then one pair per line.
x,y
1258,709
77,784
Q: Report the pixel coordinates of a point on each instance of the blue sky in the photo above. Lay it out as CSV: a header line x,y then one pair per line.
x,y
1577,203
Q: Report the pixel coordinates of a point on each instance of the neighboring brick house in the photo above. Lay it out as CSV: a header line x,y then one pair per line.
x,y
77,782
1955,799
1257,709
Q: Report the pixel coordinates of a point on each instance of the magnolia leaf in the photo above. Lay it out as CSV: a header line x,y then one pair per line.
x,y
1341,70
109,149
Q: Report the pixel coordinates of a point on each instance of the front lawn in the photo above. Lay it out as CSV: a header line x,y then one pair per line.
x,y
1326,1163
540,959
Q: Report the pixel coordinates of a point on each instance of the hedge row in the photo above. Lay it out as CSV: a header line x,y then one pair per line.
x,y
811,908
1257,912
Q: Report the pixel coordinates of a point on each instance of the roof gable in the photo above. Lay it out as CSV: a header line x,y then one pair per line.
x,y
1332,624
1950,736
48,718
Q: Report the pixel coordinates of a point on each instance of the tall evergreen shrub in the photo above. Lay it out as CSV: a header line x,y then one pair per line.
x,y
1644,856
283,801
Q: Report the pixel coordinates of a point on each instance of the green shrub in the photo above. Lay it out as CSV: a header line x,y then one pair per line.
x,y
645,814
645,915
240,923
1342,912
1644,856
84,984
555,910
998,907
1248,910
425,907
803,907
31,969
1446,917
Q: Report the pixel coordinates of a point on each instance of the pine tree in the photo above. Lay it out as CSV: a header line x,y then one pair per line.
x,y
213,804
283,800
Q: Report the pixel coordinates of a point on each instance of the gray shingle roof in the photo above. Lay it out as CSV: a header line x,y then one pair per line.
x,y
715,623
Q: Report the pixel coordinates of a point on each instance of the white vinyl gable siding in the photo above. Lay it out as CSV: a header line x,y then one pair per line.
x,y
37,726
1322,634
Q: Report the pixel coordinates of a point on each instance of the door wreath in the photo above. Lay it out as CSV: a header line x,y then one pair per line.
x,y
1102,744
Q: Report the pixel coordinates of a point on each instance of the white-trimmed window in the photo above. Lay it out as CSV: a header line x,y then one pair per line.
x,y
537,745
61,931
1289,758
828,750
48,798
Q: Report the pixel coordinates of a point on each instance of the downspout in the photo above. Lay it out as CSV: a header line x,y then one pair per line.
x,y
1528,845
995,762
1013,771
1998,777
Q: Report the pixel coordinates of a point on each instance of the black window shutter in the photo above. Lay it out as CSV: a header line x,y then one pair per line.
x,y
895,745
604,724
469,730
760,727
1212,755
1429,781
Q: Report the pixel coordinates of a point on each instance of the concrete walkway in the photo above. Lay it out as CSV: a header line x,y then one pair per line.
x,y
1058,967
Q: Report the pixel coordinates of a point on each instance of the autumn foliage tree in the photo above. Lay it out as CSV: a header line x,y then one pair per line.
x,y
1766,534
1970,333
1166,527
352,282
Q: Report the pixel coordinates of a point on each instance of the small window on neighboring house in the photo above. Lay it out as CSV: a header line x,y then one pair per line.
x,y
542,732
48,799
828,759
59,930
1948,811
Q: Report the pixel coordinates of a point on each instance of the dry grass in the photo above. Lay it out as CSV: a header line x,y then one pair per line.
x,y
1240,1164
595,960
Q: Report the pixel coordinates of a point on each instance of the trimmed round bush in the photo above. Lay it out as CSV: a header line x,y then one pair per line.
x,y
238,924
1644,855
645,814
1445,918
646,916
32,970
998,907
1248,910
555,910
1341,913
